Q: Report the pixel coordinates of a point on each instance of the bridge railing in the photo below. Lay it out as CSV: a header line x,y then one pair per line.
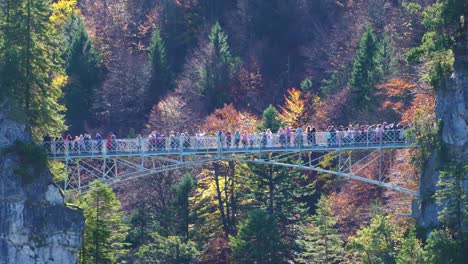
x,y
224,143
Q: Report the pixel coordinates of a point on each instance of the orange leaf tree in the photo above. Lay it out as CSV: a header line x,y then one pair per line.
x,y
228,118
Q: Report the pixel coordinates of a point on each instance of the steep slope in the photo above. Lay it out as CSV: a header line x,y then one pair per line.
x,y
35,224
451,109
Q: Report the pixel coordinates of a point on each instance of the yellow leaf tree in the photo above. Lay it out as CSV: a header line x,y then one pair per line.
x,y
296,109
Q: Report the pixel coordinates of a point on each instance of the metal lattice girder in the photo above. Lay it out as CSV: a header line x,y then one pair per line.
x,y
363,162
79,178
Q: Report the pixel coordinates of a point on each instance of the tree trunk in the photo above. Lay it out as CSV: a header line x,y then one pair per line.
x,y
220,199
271,190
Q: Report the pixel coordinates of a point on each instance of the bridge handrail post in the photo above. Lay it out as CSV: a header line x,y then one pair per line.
x,y
367,138
92,147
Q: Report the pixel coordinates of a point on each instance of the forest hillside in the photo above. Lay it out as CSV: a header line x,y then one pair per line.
x,y
84,73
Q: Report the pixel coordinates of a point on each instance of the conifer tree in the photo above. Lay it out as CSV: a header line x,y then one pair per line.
x,y
181,203
365,70
442,247
377,242
411,250
319,242
386,56
105,232
168,250
451,196
83,66
215,76
258,240
270,119
32,74
161,75
281,191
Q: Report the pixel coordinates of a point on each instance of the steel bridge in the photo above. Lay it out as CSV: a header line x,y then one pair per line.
x,y
117,160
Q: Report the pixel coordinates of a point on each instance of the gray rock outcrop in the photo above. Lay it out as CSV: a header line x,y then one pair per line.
x,y
451,108
35,224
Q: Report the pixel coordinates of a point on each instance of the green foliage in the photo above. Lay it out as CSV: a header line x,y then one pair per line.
x,y
83,66
270,119
319,241
214,77
161,74
258,240
33,160
32,72
281,190
105,232
141,222
181,204
451,196
441,20
306,85
442,248
366,72
425,134
411,250
131,133
386,56
57,169
168,250
377,242
412,8
338,79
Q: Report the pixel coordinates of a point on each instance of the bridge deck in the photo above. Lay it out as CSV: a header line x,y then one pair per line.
x,y
211,145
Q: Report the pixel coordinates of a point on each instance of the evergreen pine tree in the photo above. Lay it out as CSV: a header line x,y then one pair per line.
x,y
258,240
215,76
319,242
281,191
270,119
377,242
105,232
451,196
411,250
365,70
161,75
32,74
386,57
168,250
442,247
181,203
84,69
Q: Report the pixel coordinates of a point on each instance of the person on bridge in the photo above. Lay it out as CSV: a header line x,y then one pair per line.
x,y
281,137
237,137
109,142
244,138
288,135
269,135
298,139
48,142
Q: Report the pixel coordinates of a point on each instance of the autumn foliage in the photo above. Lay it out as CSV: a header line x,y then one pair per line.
x,y
228,118
407,99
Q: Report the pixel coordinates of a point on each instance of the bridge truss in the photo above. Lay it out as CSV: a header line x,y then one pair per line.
x,y
127,159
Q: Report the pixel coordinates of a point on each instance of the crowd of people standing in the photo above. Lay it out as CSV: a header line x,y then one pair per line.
x,y
225,139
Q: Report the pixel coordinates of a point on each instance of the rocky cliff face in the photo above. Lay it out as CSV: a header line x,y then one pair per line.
x,y
35,224
451,108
